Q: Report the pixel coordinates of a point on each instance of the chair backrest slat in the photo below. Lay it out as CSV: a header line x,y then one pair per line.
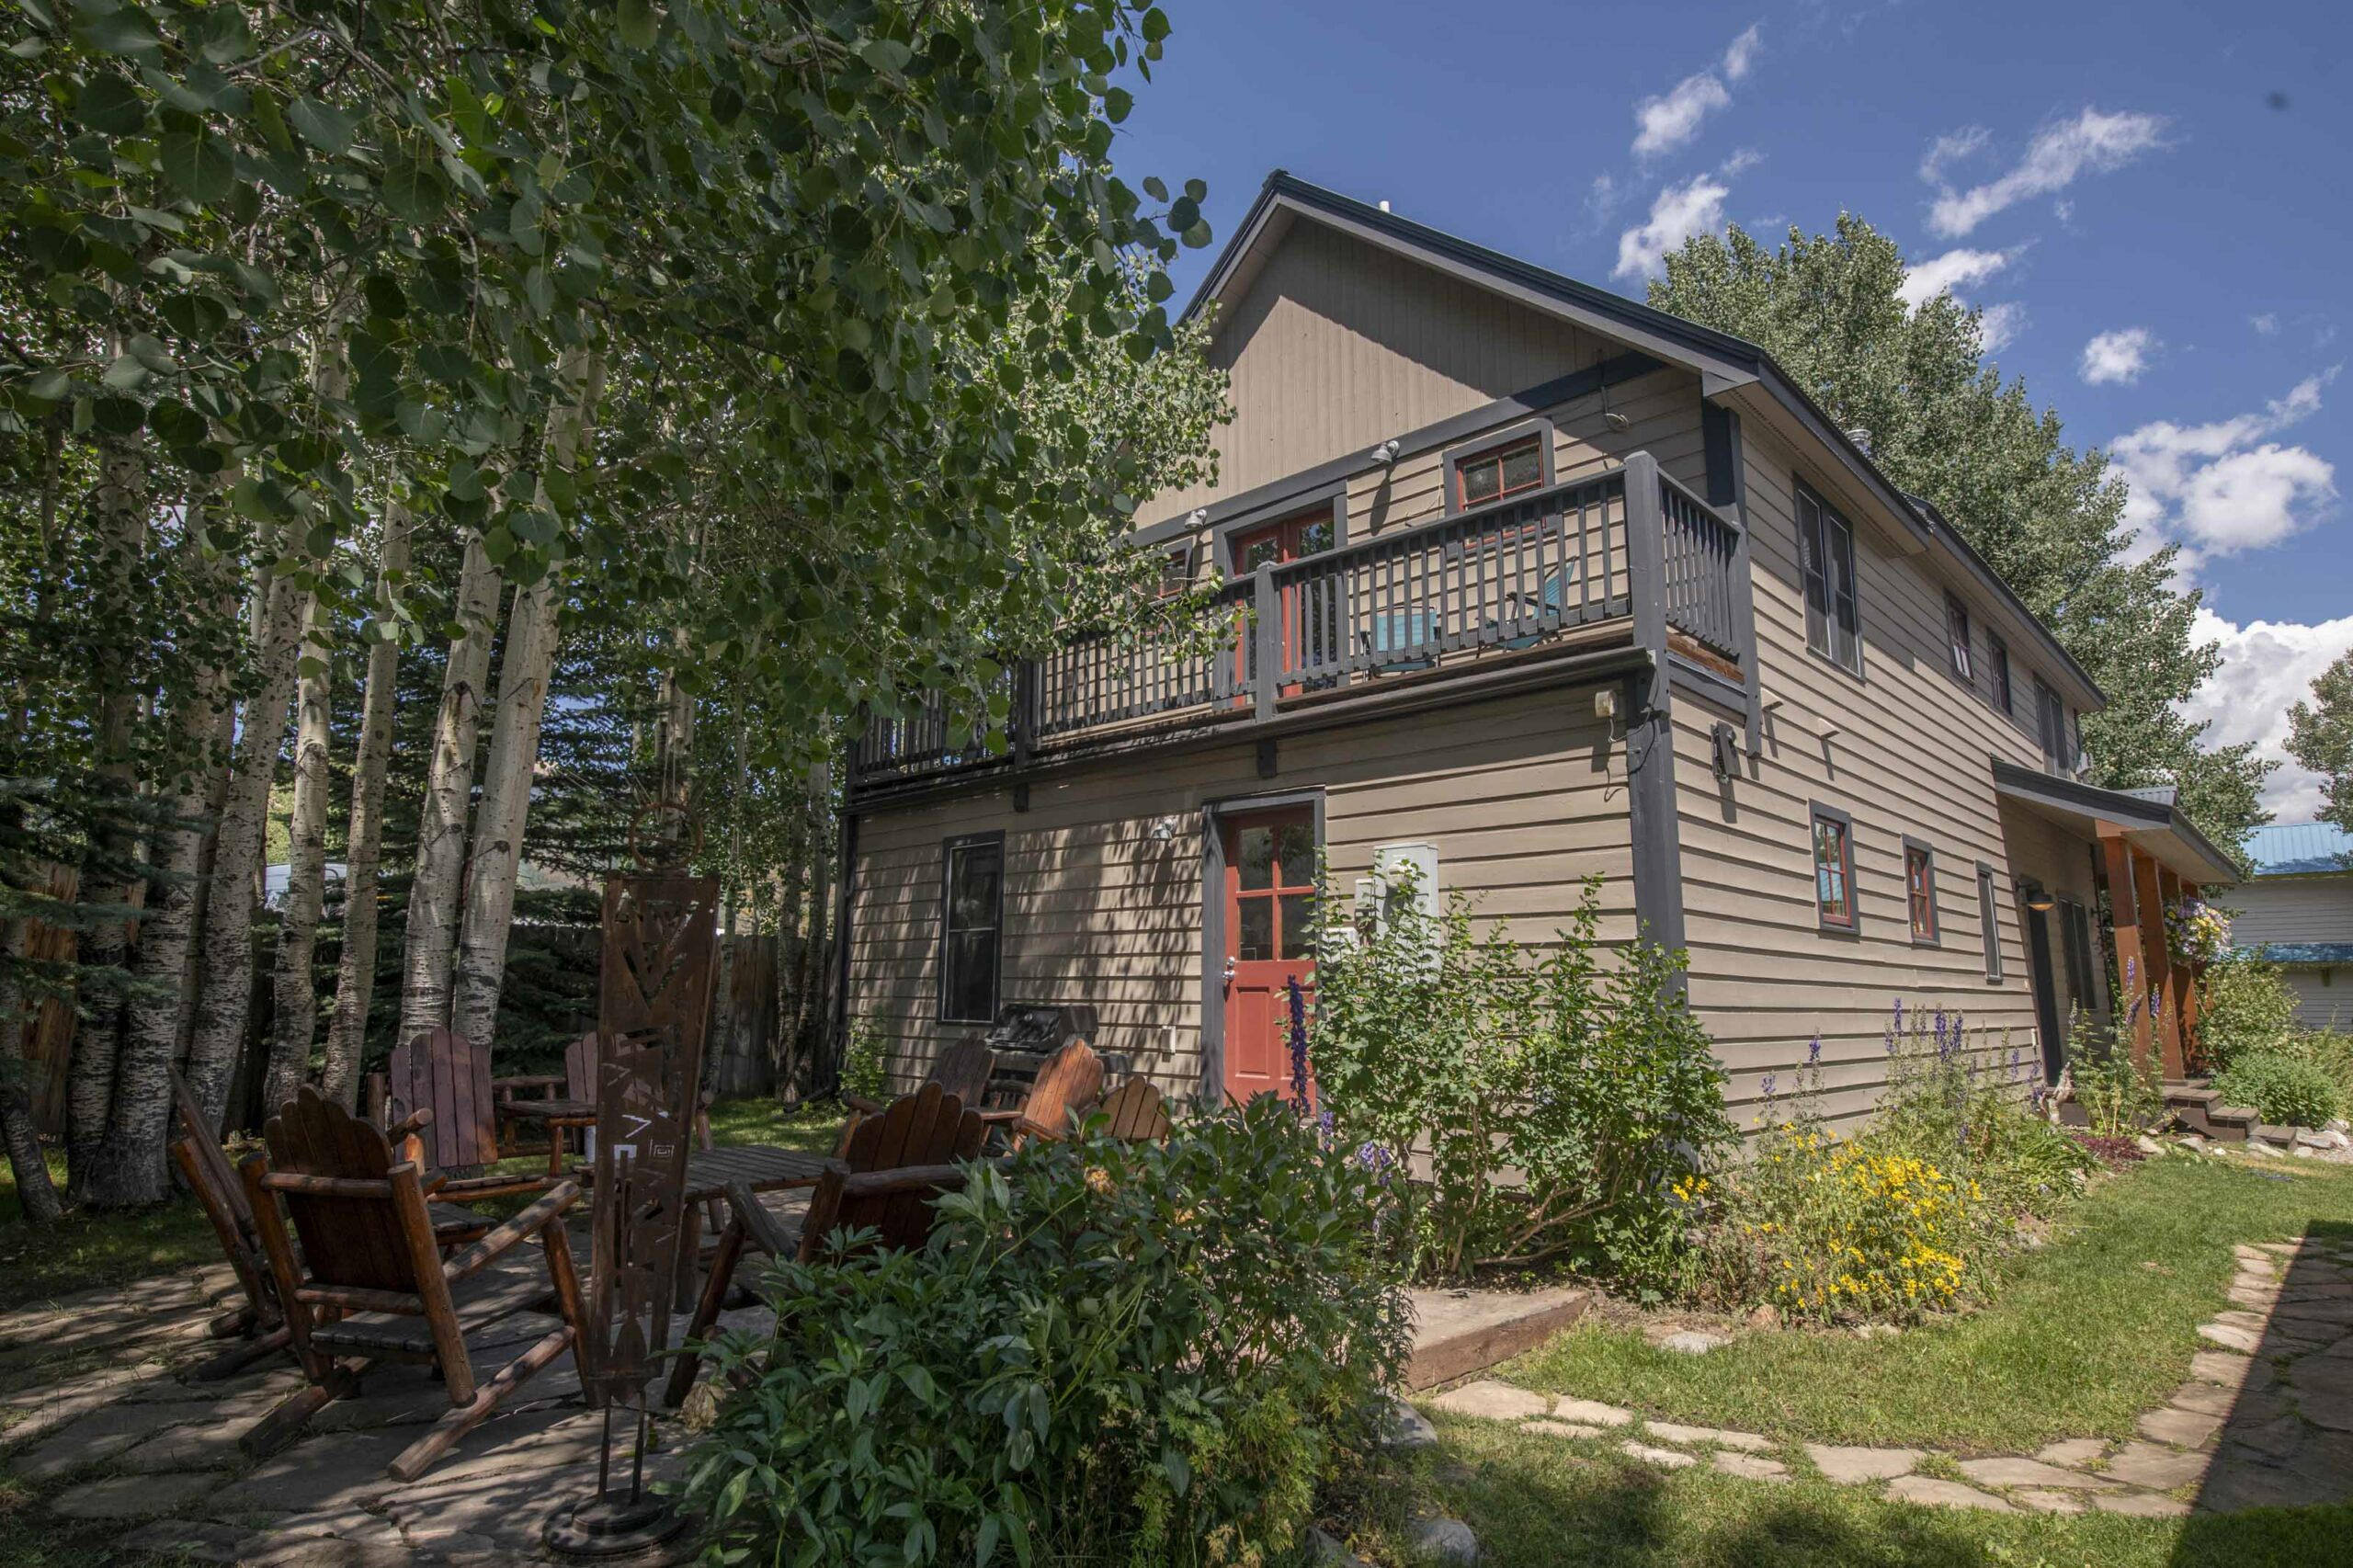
x,y
1071,1080
927,1128
345,1241
963,1069
440,1070
580,1058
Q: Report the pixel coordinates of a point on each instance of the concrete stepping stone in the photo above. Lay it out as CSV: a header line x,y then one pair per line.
x,y
2142,1505
1749,1467
2160,1469
2042,1502
133,1497
1854,1466
1491,1401
2205,1399
2030,1472
2182,1428
70,1450
1665,1459
1935,1494
2073,1452
192,1540
2230,1336
1714,1437
1592,1413
1567,1430
2230,1370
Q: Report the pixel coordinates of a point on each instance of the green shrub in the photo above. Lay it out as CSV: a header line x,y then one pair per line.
x,y
1971,1106
2283,1089
2245,1007
2120,1096
1109,1353
866,1062
1577,1073
2331,1050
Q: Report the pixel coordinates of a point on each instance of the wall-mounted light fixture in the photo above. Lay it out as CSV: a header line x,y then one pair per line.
x,y
1164,830
2037,897
1386,454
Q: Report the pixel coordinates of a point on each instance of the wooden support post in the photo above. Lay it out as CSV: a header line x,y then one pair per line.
x,y
2167,1017
2183,999
1268,631
2131,1003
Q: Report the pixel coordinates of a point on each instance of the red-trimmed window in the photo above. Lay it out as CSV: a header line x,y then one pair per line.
x,y
1920,891
1507,470
1833,868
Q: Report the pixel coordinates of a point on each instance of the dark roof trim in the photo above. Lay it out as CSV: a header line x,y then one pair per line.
x,y
1304,485
2306,954
2136,814
1722,361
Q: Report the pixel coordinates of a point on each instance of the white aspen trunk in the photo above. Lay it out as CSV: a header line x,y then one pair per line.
x,y
295,1015
225,995
354,984
500,820
130,1169
118,501
441,826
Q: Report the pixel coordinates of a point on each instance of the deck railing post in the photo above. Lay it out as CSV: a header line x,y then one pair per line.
x,y
1024,718
1646,564
1268,630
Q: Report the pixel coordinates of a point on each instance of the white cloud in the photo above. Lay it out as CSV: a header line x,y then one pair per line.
x,y
1673,117
2266,324
2223,487
2266,665
1694,207
1950,273
1998,326
2117,356
2092,143
1953,147
1743,159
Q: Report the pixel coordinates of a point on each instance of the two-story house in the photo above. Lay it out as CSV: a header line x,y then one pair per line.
x,y
1526,582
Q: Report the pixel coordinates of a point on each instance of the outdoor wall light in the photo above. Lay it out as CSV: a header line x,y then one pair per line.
x,y
2038,898
1164,830
1386,454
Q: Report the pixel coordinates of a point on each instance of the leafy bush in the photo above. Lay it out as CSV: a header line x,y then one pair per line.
x,y
2284,1089
1108,1353
866,1062
2120,1096
1973,1108
1584,1080
2245,1006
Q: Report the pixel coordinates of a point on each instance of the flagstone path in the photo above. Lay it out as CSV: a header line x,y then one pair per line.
x,y
2265,1420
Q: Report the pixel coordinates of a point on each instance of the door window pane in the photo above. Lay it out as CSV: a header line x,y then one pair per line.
x,y
1523,467
1253,937
1298,925
1314,536
1296,853
1257,859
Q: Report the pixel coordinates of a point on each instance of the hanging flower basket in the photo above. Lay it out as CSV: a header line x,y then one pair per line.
x,y
2195,932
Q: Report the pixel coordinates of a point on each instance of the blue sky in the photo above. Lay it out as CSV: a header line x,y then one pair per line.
x,y
2149,201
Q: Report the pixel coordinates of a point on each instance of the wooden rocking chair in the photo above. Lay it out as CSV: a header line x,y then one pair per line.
x,y
369,1264
922,1132
440,1072
1135,1112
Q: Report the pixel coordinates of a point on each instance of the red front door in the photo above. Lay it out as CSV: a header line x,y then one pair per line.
x,y
1270,919
1273,545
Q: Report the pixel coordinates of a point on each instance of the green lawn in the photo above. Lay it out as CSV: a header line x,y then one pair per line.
x,y
2086,1334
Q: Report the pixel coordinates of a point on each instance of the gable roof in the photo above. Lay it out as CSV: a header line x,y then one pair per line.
x,y
1722,362
2299,848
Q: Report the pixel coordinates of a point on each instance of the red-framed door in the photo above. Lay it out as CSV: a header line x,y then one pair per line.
x,y
1270,921
1273,544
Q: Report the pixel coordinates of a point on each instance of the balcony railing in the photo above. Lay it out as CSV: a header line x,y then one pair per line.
x,y
1511,575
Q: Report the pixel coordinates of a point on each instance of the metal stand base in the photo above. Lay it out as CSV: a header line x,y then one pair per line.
x,y
605,1527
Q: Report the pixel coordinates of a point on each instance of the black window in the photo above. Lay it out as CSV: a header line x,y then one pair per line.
x,y
1920,890
1833,868
2050,723
972,934
2076,936
1826,551
1989,922
1998,653
1957,638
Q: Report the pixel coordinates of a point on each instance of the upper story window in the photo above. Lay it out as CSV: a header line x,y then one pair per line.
x,y
1997,655
2050,726
972,948
1274,543
1826,551
1989,922
1920,890
1507,469
1957,638
1833,868
1177,571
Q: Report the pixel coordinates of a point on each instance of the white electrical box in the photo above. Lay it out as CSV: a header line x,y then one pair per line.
x,y
1399,866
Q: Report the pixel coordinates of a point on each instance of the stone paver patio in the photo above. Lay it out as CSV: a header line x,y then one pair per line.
x,y
2265,1420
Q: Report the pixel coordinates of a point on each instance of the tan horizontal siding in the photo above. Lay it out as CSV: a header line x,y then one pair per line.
x,y
2286,909
1523,796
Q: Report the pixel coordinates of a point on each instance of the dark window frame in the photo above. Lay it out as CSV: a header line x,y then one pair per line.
x,y
2050,729
1852,924
1494,444
1934,935
1330,501
1957,638
1829,580
2075,943
2001,696
949,849
1989,920
1178,568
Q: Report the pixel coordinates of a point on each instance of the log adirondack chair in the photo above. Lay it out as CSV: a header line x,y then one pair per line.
x,y
259,1322
899,1160
962,1069
370,1267
1069,1083
1135,1112
573,1109
439,1072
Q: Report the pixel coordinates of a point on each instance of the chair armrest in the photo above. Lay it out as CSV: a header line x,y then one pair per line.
x,y
863,1106
761,1229
548,1211
1001,1117
410,1125
474,1188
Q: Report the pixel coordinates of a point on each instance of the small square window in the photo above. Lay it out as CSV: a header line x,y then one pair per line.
x,y
1833,868
1501,470
1957,638
1920,890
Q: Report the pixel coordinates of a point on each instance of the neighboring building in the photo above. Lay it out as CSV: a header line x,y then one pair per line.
x,y
1529,582
2296,909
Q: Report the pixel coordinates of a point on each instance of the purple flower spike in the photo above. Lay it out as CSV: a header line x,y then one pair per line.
x,y
1813,1049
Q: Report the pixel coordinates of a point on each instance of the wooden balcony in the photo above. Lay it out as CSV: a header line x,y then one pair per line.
x,y
1522,580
